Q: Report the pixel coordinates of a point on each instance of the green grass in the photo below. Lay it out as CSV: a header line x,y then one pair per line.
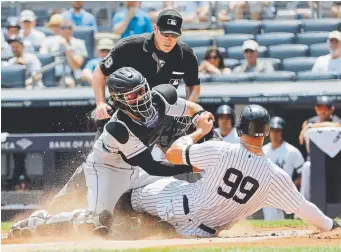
x,y
5,226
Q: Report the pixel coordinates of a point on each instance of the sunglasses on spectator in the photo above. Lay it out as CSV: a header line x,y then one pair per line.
x,y
66,27
214,57
248,51
169,35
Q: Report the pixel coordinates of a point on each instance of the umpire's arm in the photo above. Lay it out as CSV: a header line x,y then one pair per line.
x,y
191,78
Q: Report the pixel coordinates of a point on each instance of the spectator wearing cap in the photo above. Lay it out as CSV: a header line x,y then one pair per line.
x,y
29,60
213,63
69,53
325,117
103,48
54,23
253,64
330,63
28,22
79,16
131,21
13,28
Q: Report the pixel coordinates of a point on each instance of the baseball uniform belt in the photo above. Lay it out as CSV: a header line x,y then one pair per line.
x,y
201,226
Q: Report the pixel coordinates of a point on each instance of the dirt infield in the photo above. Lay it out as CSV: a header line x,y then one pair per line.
x,y
240,236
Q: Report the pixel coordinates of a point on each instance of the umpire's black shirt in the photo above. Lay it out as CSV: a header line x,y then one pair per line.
x,y
158,68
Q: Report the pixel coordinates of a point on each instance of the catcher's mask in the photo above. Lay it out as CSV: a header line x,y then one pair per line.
x,y
131,92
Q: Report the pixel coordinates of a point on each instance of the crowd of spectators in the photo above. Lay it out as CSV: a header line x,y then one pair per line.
x,y
73,65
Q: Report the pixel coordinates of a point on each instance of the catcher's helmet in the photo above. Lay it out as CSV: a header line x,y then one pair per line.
x,y
253,121
226,110
131,93
277,123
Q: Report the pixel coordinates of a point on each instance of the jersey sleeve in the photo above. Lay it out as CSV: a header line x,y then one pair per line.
x,y
297,159
191,76
115,59
177,109
204,156
283,193
116,134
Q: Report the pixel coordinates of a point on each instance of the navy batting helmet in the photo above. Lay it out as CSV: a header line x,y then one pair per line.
x,y
253,121
130,91
277,123
226,110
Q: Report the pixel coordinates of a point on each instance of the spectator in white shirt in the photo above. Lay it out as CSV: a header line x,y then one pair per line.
x,y
29,60
69,53
28,22
330,63
226,120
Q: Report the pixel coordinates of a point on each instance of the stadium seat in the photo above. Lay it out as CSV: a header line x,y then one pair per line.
x,y
205,78
310,76
44,30
276,38
13,76
298,64
196,41
230,40
309,38
49,77
231,63
86,34
200,52
291,26
232,78
288,51
321,25
243,26
42,16
237,52
317,50
275,76
275,62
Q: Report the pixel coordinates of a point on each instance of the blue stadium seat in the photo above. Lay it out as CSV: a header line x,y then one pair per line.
x,y
243,26
288,51
309,38
196,41
292,26
317,50
232,78
205,77
237,52
44,30
42,16
275,62
49,77
321,25
231,63
13,76
200,52
298,64
276,38
275,76
310,76
86,34
230,40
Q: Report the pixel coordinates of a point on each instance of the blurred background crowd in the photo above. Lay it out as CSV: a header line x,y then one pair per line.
x,y
61,45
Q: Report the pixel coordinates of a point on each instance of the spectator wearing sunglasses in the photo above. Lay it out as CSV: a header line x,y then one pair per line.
x,y
131,20
69,55
104,46
213,63
252,63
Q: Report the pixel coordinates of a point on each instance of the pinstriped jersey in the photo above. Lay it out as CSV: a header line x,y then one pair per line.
x,y
236,183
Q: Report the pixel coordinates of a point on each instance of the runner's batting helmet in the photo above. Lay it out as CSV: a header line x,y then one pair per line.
x,y
253,121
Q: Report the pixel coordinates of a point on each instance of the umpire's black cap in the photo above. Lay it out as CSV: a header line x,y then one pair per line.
x,y
277,123
169,21
253,121
325,100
